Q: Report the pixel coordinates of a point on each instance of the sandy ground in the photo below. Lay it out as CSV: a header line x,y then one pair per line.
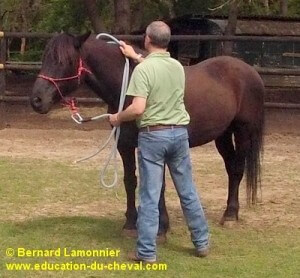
x,y
56,137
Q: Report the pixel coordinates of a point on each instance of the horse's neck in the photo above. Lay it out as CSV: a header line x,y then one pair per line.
x,y
107,66
100,89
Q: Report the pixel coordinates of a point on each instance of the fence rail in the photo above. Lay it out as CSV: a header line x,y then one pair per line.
x,y
260,70
173,38
25,99
9,65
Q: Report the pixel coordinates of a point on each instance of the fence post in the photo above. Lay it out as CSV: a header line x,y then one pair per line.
x,y
2,80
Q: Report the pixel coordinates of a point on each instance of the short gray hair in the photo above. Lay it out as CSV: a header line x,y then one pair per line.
x,y
159,34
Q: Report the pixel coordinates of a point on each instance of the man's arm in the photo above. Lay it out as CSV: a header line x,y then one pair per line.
x,y
129,52
132,112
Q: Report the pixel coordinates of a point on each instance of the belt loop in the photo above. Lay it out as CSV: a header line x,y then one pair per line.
x,y
148,128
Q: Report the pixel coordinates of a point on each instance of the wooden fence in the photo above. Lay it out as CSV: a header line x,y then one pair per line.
x,y
267,73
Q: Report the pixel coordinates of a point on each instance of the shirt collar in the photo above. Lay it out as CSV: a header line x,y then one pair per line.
x,y
159,54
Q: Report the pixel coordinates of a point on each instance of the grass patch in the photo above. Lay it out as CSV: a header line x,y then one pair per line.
x,y
48,205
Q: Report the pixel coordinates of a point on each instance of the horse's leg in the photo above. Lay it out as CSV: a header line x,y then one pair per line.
x,y
130,182
163,214
234,159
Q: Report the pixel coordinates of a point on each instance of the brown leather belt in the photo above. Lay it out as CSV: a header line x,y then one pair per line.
x,y
159,127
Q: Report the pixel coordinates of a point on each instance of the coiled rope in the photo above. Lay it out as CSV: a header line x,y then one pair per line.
x,y
115,131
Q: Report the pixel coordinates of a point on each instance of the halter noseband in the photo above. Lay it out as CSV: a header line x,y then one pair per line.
x,y
54,81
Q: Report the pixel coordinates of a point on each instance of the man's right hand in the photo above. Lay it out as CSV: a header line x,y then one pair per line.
x,y
128,51
114,120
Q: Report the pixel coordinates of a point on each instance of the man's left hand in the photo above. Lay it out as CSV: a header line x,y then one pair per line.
x,y
114,120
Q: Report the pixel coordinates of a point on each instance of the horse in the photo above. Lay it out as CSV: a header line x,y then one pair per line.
x,y
224,97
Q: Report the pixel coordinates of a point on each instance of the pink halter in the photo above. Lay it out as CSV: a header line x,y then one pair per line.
x,y
54,81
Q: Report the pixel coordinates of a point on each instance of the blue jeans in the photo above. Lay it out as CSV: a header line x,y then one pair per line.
x,y
156,148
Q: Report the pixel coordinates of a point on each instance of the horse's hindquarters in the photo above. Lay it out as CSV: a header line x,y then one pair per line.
x,y
212,106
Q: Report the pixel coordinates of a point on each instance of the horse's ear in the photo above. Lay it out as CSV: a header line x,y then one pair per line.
x,y
79,40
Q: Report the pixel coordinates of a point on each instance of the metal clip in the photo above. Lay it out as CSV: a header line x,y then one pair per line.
x,y
77,118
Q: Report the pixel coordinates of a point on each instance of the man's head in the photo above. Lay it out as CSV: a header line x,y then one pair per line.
x,y
158,35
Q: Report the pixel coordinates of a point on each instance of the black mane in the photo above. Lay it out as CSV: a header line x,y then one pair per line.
x,y
61,50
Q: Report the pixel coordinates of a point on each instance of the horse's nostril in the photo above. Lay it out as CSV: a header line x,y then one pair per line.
x,y
37,100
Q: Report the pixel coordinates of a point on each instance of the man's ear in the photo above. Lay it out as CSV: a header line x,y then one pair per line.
x,y
80,40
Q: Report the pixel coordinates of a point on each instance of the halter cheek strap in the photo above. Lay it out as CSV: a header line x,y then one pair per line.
x,y
71,103
80,71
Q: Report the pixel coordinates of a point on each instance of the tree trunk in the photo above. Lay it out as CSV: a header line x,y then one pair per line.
x,y
170,5
24,25
94,15
2,14
122,17
23,46
283,7
267,6
231,27
3,122
137,19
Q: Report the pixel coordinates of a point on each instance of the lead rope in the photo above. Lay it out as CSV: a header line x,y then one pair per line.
x,y
116,130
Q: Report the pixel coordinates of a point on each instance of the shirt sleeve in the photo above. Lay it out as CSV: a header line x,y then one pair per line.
x,y
139,83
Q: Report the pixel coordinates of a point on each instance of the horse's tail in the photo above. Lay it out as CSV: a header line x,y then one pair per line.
x,y
254,157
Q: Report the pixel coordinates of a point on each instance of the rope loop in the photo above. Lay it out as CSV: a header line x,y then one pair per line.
x,y
115,133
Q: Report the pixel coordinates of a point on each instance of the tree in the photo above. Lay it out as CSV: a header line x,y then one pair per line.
x,y
267,6
2,16
21,16
170,4
231,26
94,15
284,7
62,15
122,16
138,11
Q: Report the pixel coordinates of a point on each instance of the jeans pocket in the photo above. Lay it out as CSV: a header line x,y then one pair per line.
x,y
181,151
151,149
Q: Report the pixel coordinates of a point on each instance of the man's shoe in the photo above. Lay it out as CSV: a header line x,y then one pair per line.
x,y
202,252
132,256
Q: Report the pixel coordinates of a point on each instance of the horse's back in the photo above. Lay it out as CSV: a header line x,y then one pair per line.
x,y
219,91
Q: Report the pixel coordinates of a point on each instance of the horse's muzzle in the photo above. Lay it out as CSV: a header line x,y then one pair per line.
x,y
37,105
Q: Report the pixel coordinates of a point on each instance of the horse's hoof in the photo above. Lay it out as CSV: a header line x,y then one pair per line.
x,y
161,239
129,233
228,222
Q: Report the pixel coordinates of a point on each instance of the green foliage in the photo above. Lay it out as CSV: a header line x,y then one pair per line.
x,y
62,15
294,8
58,15
256,7
183,7
151,10
31,55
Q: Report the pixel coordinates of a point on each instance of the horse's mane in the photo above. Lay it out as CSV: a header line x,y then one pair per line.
x,y
61,49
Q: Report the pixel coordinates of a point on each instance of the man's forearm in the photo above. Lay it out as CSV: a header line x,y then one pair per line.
x,y
129,114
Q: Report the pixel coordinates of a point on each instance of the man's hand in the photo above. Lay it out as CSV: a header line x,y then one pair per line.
x,y
128,51
132,112
114,120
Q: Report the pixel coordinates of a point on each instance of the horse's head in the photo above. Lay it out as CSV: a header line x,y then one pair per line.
x,y
61,71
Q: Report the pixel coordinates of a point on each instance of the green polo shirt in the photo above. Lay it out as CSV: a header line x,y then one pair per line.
x,y
161,80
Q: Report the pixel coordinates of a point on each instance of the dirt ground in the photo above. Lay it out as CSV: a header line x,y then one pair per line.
x,y
56,137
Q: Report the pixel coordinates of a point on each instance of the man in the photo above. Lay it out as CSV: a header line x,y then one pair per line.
x,y
157,86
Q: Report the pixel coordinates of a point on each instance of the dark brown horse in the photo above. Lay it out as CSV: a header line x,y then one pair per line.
x,y
224,97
